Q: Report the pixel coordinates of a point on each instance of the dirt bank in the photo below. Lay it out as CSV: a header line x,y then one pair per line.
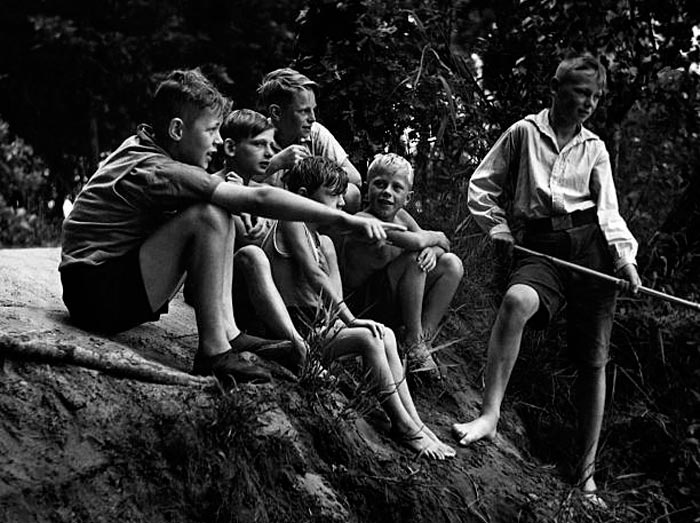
x,y
79,444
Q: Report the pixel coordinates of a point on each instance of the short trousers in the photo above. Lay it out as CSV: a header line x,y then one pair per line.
x,y
588,302
375,300
109,297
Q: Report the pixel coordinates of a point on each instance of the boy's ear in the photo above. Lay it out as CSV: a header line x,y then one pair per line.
x,y
275,112
230,147
175,129
554,84
302,191
409,196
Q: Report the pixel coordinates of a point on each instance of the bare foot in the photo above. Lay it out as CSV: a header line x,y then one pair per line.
x,y
421,443
483,427
446,449
592,499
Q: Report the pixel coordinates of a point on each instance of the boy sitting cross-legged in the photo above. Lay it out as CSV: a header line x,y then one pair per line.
x,y
151,213
305,269
411,278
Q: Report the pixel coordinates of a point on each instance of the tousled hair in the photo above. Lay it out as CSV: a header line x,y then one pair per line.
x,y
582,62
314,172
280,86
390,162
184,93
244,123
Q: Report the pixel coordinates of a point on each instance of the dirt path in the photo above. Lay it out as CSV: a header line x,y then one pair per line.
x,y
79,445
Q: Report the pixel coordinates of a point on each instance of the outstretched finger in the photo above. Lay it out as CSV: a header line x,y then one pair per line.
x,y
378,231
389,226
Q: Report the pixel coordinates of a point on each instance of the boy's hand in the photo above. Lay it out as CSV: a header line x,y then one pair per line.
x,y
234,178
255,227
288,157
427,259
503,243
633,281
441,240
377,329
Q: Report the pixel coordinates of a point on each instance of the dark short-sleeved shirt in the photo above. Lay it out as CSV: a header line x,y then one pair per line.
x,y
133,193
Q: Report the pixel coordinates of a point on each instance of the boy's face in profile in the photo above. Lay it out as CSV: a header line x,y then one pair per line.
x,y
294,122
251,156
199,137
576,96
388,192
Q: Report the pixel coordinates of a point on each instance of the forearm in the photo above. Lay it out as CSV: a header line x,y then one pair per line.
x,y
273,202
418,240
622,244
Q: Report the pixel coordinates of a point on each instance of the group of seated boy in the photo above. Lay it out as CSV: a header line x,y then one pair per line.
x,y
254,237
279,235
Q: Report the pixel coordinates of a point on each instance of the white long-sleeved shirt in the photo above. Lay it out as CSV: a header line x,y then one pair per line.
x,y
544,181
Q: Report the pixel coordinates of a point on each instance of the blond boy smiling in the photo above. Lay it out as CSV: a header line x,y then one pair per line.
x,y
409,279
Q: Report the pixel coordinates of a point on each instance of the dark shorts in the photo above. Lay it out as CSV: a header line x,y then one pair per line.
x,y
109,297
376,300
588,302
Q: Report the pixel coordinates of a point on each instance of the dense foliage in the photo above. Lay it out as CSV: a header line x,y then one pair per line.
x,y
436,80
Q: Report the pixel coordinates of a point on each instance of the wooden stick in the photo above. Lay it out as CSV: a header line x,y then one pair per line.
x,y
620,283
118,364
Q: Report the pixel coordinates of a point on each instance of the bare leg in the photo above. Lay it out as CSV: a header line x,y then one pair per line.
x,y
254,267
200,241
358,340
441,286
396,367
407,280
591,403
519,305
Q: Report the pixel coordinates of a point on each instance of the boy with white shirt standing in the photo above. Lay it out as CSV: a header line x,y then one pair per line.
x,y
558,178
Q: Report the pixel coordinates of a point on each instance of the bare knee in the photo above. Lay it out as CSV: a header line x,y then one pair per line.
x,y
251,257
353,199
520,303
369,345
208,216
451,266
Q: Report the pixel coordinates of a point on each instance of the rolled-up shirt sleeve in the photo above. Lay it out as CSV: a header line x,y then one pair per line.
x,y
168,185
623,246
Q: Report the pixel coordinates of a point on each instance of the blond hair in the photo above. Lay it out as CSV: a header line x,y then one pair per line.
x,y
280,86
583,62
390,163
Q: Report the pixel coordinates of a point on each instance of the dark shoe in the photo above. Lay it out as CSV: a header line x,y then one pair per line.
x,y
239,366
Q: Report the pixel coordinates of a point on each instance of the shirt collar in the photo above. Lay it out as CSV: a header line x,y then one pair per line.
x,y
541,121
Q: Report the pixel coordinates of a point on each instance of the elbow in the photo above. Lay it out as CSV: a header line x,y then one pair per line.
x,y
260,199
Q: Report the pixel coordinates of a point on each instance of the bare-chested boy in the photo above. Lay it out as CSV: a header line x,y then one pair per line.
x,y
409,279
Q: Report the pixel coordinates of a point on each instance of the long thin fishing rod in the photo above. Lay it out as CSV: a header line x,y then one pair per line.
x,y
617,281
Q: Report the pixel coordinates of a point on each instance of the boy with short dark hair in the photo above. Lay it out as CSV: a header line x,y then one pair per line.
x,y
305,269
557,176
248,146
151,213
408,280
289,99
